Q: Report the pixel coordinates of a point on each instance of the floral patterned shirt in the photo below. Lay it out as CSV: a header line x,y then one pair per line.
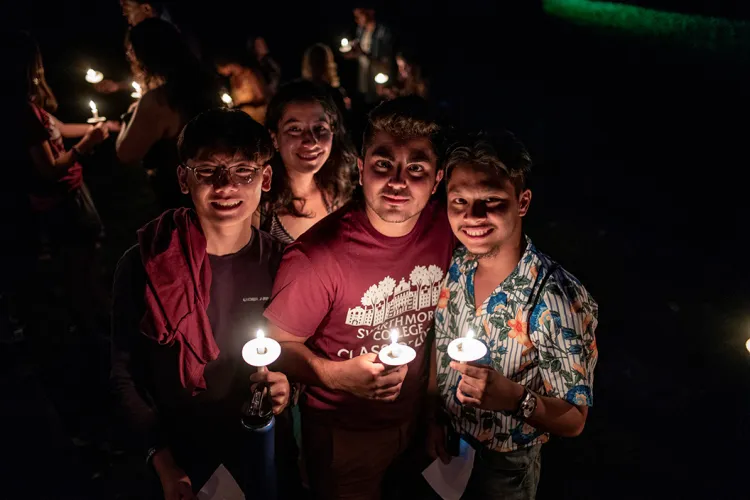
x,y
539,331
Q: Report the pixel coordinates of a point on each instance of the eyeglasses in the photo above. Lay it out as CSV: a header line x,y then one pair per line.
x,y
238,174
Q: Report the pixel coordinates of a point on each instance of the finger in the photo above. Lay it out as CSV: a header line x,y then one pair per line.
x,y
259,376
471,371
470,391
279,404
278,389
276,377
388,392
388,381
473,382
467,401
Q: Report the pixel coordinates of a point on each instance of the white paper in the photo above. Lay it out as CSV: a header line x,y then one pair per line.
x,y
449,481
221,486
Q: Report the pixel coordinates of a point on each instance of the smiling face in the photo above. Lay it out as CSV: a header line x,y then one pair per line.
x,y
484,210
304,137
398,176
217,198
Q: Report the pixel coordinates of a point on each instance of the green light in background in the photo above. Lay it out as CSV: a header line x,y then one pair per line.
x,y
710,33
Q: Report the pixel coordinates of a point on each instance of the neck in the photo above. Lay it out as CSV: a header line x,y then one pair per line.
x,y
502,263
302,185
390,229
227,239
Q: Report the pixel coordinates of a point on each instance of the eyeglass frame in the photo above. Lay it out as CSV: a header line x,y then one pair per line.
x,y
220,170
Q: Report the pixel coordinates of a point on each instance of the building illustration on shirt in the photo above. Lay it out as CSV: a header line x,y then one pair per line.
x,y
388,299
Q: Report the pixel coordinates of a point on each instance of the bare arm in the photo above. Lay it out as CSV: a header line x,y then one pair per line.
x,y
145,128
51,168
71,130
300,363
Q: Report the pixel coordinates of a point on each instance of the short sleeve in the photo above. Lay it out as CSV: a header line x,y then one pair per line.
x,y
300,299
562,327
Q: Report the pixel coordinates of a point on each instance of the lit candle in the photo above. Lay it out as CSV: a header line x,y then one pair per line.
x,y
95,118
381,78
395,348
94,76
261,351
395,354
345,45
137,94
227,99
467,348
747,345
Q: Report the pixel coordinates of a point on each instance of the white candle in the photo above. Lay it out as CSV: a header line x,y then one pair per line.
x,y
467,348
94,111
395,348
261,351
381,78
94,76
345,45
227,99
137,94
344,42
747,345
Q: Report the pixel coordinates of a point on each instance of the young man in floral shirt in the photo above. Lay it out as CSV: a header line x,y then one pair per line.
x,y
536,320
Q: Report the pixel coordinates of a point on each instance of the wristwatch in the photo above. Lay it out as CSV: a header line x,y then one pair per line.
x,y
527,406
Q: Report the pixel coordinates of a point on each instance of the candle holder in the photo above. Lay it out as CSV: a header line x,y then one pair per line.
x,y
466,349
396,354
261,351
95,118
93,76
345,46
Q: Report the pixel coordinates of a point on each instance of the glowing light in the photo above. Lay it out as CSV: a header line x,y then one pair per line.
x,y
261,351
92,105
344,42
470,334
137,94
381,78
345,45
747,345
95,118
259,334
94,76
226,99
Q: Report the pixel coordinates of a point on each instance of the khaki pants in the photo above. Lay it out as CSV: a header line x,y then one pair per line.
x,y
350,465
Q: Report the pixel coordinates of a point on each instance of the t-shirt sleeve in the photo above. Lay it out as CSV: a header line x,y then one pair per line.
x,y
301,298
562,327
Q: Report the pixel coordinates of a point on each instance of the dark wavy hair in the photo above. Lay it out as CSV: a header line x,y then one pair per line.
x,y
161,53
335,178
23,73
498,150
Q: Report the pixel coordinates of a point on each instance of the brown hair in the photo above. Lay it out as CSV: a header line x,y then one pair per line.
x,y
24,71
334,178
407,117
500,151
318,65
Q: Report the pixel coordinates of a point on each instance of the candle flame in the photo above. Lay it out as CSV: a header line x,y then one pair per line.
x,y
381,78
344,42
90,72
137,86
92,105
470,334
394,336
259,334
747,345
226,98
93,76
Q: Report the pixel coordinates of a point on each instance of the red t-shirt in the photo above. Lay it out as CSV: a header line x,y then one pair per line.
x,y
46,194
344,286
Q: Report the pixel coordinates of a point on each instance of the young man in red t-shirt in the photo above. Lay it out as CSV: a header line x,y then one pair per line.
x,y
373,266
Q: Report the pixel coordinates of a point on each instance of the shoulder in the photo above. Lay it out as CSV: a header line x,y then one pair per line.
x,y
325,237
269,245
130,262
434,221
569,303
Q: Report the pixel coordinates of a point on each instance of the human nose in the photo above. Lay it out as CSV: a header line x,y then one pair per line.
x,y
477,210
397,180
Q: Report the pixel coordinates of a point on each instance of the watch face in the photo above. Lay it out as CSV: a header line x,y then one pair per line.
x,y
529,405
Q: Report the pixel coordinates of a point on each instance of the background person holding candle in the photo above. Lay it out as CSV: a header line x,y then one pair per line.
x,y
47,204
314,165
537,320
176,88
180,387
372,266
319,67
373,49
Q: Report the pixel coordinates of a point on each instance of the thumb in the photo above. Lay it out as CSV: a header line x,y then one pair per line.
x,y
371,357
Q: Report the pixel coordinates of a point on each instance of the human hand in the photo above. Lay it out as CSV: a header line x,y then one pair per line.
x,y
94,136
278,387
436,439
364,377
261,47
483,387
107,87
112,126
174,482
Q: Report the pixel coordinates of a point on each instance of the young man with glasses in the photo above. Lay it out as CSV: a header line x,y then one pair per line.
x,y
187,298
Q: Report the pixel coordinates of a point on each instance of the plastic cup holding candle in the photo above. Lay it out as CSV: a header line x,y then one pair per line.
x,y
466,349
396,354
227,99
94,76
137,91
345,45
95,118
261,351
381,78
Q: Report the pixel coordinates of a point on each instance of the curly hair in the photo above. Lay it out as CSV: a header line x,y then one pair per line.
x,y
318,65
407,117
500,151
335,176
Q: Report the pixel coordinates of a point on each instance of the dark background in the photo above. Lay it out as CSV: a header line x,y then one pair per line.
x,y
640,190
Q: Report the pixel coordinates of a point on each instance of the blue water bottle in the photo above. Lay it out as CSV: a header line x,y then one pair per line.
x,y
259,457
